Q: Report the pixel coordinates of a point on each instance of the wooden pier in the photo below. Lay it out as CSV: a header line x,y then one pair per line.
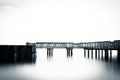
x,y
19,53
99,47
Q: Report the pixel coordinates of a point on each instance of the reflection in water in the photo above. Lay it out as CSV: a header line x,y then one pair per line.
x,y
61,68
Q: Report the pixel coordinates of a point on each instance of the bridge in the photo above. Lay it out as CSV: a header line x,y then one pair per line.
x,y
98,47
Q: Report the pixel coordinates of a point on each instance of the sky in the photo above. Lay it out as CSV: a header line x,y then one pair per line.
x,y
24,21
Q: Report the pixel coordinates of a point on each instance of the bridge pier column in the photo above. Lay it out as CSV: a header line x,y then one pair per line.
x,y
69,52
92,54
106,54
84,52
102,54
118,55
110,54
95,54
98,54
49,53
88,53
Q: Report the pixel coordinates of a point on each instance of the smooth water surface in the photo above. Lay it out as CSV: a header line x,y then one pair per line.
x,y
62,68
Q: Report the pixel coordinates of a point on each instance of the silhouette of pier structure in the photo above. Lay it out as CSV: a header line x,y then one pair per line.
x,y
98,48
23,53
17,54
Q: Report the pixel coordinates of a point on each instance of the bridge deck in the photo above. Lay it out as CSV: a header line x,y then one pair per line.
x,y
115,45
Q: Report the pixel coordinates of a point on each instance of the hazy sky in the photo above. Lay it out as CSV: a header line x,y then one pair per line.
x,y
58,20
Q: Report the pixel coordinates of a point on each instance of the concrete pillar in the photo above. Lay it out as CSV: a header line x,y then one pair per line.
x,y
95,54
84,52
110,54
98,54
69,52
92,54
102,54
118,55
88,53
106,54
49,52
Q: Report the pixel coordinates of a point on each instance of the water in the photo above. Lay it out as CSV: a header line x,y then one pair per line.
x,y
62,68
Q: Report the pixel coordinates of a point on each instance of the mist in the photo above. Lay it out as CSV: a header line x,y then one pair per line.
x,y
24,21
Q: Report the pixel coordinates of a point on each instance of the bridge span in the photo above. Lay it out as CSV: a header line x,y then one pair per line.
x,y
99,47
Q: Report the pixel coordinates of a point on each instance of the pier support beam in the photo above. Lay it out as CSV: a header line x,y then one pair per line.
x,y
118,55
69,52
92,54
84,52
102,54
106,54
110,54
95,54
98,54
88,53
49,52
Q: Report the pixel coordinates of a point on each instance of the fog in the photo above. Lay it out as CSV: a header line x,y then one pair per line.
x,y
24,21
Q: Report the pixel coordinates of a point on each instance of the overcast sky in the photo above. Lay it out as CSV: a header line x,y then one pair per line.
x,y
24,21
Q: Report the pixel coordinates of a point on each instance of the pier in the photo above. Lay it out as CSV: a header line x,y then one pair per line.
x,y
16,53
97,50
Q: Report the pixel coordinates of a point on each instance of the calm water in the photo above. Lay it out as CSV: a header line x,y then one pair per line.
x,y
61,68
